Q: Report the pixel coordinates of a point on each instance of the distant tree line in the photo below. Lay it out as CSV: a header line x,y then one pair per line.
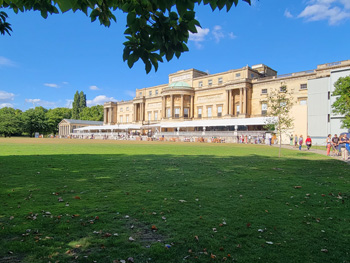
x,y
14,122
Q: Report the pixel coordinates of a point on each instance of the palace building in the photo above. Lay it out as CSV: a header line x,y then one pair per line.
x,y
227,104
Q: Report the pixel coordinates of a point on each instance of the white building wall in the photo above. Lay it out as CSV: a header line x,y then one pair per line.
x,y
321,120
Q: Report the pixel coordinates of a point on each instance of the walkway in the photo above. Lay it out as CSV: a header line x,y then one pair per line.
x,y
313,150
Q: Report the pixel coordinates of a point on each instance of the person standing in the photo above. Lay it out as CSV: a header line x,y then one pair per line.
x,y
345,150
308,142
328,144
335,143
295,140
291,140
301,140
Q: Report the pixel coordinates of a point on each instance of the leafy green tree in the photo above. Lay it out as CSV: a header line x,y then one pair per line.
x,y
35,121
76,106
5,27
342,104
93,113
10,122
55,116
82,101
279,105
155,29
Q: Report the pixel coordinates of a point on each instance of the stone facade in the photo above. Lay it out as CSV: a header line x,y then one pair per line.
x,y
240,93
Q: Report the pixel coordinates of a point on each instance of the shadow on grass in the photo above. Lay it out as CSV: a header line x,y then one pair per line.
x,y
78,208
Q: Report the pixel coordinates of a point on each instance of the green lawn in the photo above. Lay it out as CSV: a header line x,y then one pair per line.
x,y
82,200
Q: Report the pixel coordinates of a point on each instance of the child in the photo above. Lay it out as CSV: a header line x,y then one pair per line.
x,y
308,142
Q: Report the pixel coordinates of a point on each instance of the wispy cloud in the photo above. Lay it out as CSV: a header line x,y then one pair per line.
x,y
218,33
43,103
99,100
6,96
94,88
231,35
5,62
6,104
199,37
51,85
334,11
288,14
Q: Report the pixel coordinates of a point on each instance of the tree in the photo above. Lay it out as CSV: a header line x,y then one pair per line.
x,y
279,104
342,104
10,121
93,113
35,121
155,29
82,101
76,106
55,116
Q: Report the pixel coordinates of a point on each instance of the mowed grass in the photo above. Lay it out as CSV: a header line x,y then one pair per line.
x,y
108,201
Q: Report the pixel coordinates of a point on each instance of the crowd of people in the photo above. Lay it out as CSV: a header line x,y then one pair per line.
x,y
338,145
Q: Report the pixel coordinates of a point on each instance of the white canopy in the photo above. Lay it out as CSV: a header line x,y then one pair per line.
x,y
185,124
110,127
219,122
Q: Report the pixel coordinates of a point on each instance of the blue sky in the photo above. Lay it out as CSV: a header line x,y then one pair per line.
x,y
44,62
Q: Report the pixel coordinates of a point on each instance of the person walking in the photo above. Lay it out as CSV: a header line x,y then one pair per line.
x,y
308,142
301,140
328,144
344,150
295,140
291,140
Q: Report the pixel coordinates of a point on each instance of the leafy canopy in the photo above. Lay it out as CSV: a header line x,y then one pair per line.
x,y
155,29
342,103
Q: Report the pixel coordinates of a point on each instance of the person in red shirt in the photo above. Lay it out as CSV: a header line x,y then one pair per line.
x,y
308,142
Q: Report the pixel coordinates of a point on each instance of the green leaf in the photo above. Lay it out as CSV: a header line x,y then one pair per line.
x,y
131,18
64,5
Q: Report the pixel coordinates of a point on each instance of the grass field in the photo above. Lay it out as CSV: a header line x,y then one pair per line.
x,y
108,201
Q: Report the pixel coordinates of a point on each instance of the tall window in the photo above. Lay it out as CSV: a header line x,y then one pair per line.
x,y
150,92
127,118
219,111
121,109
168,112
263,108
210,82
200,84
156,92
121,119
177,112
186,112
199,112
219,81
209,112
149,115
238,109
156,115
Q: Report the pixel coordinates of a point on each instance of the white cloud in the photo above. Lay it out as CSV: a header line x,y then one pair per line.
x,y
231,35
3,105
69,103
288,14
43,103
334,11
99,100
65,82
6,96
6,62
51,85
218,33
94,88
199,36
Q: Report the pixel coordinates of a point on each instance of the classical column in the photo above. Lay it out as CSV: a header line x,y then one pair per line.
x,y
105,116
171,106
164,107
230,111
182,106
192,106
134,114
109,115
245,101
240,100
142,111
